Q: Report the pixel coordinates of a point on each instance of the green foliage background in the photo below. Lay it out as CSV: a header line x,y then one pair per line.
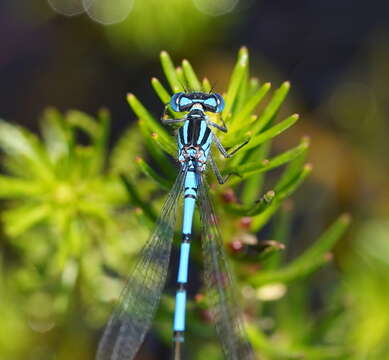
x,y
77,204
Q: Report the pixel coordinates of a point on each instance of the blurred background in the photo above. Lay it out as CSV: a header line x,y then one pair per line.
x,y
86,55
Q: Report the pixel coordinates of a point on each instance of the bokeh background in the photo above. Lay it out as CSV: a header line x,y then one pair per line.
x,y
336,55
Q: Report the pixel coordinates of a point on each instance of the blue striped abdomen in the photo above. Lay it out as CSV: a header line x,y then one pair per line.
x,y
194,141
190,196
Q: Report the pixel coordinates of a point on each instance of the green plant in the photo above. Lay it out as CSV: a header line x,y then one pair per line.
x,y
247,216
75,212
65,216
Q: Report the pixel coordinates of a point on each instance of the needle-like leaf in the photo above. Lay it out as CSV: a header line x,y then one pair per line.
x,y
190,75
170,72
309,261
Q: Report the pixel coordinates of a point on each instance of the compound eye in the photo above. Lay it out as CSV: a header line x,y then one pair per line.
x,y
185,103
220,103
175,101
210,103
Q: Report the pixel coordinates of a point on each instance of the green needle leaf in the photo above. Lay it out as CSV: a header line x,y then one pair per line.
x,y
245,170
272,108
270,249
162,93
154,127
238,121
190,75
12,187
253,86
147,170
136,199
262,218
170,72
241,95
207,87
290,187
254,184
181,77
156,148
22,218
57,135
237,76
294,167
25,150
167,146
250,210
309,261
84,122
142,113
272,132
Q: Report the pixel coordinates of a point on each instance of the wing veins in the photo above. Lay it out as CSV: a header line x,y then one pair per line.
x,y
220,285
138,301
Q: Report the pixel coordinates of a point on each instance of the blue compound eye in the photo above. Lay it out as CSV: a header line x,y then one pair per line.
x,y
174,101
210,103
185,103
220,103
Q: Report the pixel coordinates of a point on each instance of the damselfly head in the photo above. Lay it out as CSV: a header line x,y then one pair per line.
x,y
182,101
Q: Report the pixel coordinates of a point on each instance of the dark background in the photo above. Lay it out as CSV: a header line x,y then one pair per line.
x,y
48,59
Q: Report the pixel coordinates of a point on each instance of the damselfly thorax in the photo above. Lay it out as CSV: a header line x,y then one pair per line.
x,y
194,139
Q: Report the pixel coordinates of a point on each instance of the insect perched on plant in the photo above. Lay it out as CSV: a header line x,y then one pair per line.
x,y
132,318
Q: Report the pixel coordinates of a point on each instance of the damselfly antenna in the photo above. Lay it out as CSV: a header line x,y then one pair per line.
x,y
186,90
213,86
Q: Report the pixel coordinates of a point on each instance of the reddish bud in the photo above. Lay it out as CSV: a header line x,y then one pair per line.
x,y
236,246
199,297
229,196
245,222
206,316
328,256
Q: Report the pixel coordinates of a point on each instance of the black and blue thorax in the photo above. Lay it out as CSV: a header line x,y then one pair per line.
x,y
194,140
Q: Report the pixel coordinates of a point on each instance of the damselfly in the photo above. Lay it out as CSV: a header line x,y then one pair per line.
x,y
132,317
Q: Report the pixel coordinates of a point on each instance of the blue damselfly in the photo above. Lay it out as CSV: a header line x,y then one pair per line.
x,y
132,317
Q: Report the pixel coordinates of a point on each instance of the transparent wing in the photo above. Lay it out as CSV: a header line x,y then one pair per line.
x,y
138,301
224,308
